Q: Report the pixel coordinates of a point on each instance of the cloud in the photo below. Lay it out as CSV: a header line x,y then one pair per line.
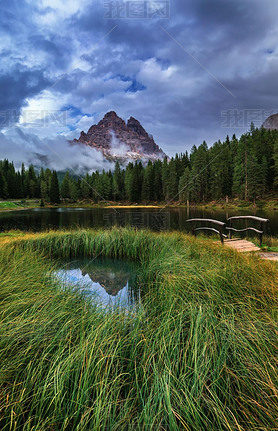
x,y
57,153
15,87
58,54
117,148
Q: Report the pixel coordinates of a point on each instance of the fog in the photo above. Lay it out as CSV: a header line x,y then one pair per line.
x,y
55,153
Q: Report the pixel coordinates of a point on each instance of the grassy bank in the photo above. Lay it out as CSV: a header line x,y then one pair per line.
x,y
200,355
10,206
18,205
234,204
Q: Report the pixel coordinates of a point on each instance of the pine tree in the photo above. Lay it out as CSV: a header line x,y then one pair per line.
x,y
148,183
129,181
137,180
254,175
275,166
264,174
185,161
23,180
73,190
86,187
32,182
54,189
96,186
200,173
106,185
185,186
157,181
164,179
48,175
19,190
44,191
220,170
4,193
65,187
11,179
172,182
117,183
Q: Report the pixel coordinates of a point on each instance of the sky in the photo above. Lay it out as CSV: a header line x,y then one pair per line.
x,y
188,70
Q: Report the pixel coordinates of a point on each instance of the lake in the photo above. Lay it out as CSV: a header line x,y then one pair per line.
x,y
40,219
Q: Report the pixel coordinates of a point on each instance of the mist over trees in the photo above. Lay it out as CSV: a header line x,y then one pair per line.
x,y
244,168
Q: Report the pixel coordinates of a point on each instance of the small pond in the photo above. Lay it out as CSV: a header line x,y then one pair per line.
x,y
110,283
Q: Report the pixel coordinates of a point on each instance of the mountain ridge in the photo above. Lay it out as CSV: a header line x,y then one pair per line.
x,y
271,123
120,140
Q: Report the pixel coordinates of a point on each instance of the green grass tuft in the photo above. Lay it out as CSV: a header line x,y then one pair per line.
x,y
200,355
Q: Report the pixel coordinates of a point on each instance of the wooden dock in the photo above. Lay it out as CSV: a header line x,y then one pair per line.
x,y
241,245
269,256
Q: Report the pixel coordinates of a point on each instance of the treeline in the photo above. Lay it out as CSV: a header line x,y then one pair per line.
x,y
246,168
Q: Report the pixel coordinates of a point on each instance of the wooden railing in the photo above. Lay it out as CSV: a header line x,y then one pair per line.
x,y
260,231
220,225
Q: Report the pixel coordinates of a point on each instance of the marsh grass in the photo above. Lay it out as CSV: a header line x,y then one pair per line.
x,y
200,355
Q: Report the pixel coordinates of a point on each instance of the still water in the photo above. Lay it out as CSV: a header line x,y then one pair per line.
x,y
108,282
41,219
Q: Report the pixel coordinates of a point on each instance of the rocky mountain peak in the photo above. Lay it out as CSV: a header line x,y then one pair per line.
x,y
111,114
135,125
271,122
112,133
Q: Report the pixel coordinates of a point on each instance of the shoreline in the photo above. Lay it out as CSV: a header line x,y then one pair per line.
x,y
267,205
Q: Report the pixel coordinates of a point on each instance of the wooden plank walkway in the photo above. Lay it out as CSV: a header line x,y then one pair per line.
x,y
241,245
269,256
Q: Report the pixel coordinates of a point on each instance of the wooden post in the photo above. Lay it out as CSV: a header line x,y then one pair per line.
x,y
230,232
261,235
221,235
246,218
193,229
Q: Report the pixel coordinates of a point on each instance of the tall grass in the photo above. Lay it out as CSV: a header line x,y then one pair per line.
x,y
200,355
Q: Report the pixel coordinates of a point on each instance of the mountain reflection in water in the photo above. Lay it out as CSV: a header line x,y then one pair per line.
x,y
109,282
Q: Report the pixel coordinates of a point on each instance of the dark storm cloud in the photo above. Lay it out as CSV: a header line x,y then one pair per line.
x,y
18,79
175,75
15,87
54,47
15,16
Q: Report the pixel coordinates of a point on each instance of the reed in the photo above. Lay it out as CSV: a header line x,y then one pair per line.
x,y
201,354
